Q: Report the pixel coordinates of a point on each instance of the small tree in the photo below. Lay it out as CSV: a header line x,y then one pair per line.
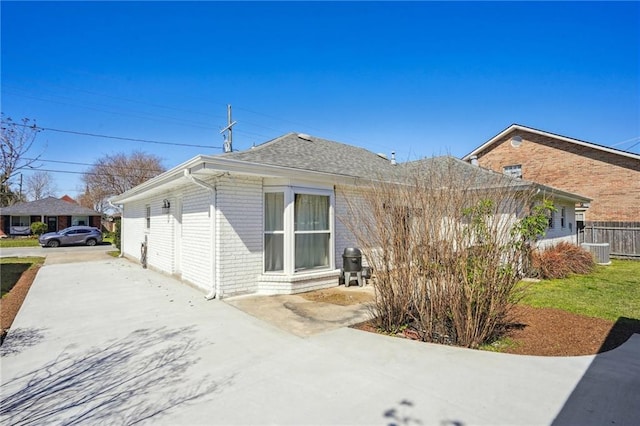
x,y
39,228
528,230
114,174
40,185
441,244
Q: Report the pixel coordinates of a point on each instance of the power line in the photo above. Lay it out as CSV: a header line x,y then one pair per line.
x,y
75,163
96,135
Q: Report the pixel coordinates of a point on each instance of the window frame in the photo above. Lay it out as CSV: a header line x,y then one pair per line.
x,y
266,232
20,218
326,232
511,168
289,231
147,216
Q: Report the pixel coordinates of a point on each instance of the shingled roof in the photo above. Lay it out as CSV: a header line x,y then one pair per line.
x,y
50,206
305,152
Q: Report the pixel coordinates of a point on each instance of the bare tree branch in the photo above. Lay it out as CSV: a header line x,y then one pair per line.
x,y
114,174
40,185
17,140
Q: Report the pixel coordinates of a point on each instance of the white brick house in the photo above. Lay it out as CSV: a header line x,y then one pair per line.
x,y
264,220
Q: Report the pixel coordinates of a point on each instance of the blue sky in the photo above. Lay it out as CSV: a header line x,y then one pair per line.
x,y
418,78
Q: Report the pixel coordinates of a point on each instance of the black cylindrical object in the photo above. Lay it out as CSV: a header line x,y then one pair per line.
x,y
352,260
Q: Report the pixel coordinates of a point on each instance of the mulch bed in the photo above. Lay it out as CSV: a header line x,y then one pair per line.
x,y
553,332
11,302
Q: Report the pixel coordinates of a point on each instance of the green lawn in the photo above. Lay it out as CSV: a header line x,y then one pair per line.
x,y
12,267
18,242
610,292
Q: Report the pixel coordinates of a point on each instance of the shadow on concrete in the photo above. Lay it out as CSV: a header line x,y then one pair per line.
x,y
400,414
609,391
21,338
138,377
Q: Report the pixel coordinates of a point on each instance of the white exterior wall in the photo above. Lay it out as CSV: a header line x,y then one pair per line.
x,y
195,235
344,237
133,229
178,243
240,234
158,236
559,233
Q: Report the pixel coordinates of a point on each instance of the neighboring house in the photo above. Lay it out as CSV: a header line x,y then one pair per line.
x,y
610,177
264,220
56,213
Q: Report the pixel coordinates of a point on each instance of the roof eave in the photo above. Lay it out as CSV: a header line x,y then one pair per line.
x,y
210,164
500,135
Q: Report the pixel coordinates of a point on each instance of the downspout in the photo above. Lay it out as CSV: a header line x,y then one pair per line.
x,y
212,212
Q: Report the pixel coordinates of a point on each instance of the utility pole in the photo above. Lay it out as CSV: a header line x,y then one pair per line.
x,y
20,193
228,142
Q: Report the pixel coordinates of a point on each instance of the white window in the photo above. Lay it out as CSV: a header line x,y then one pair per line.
x,y
312,231
273,231
513,171
552,218
297,230
563,217
20,220
147,216
80,220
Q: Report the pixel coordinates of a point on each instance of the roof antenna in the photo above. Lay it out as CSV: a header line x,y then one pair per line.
x,y
228,141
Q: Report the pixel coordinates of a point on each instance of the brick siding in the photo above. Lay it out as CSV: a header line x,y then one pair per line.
x,y
611,180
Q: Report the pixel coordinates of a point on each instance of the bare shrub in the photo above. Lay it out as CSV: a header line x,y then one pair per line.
x,y
440,237
562,260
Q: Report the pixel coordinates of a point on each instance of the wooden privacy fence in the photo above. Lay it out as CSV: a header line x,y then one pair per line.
x,y
623,237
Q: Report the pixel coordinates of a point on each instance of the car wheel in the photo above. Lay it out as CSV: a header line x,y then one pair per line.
x,y
91,242
53,243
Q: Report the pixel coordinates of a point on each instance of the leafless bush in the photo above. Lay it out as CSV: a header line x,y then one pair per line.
x,y
442,243
562,260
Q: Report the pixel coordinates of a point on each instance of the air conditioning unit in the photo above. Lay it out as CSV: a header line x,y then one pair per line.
x,y
600,252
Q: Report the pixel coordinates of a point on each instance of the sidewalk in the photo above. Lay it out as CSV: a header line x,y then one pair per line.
x,y
110,342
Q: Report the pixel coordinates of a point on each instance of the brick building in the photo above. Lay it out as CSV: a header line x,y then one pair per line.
x,y
56,213
610,177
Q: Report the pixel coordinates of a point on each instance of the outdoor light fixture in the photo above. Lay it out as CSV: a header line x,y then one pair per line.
x,y
166,205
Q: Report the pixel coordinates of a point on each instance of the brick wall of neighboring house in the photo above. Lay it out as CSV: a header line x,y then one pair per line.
x,y
64,222
95,221
4,224
611,180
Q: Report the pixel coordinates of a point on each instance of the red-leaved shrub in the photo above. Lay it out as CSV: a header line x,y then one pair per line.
x,y
562,260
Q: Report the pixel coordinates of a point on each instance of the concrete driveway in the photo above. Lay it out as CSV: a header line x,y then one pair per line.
x,y
107,342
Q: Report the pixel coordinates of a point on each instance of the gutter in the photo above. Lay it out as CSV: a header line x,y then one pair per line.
x,y
212,212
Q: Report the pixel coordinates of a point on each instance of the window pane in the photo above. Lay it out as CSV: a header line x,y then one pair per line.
x,y
273,252
312,250
79,220
274,211
311,212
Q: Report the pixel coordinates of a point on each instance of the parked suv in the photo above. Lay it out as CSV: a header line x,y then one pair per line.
x,y
73,235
